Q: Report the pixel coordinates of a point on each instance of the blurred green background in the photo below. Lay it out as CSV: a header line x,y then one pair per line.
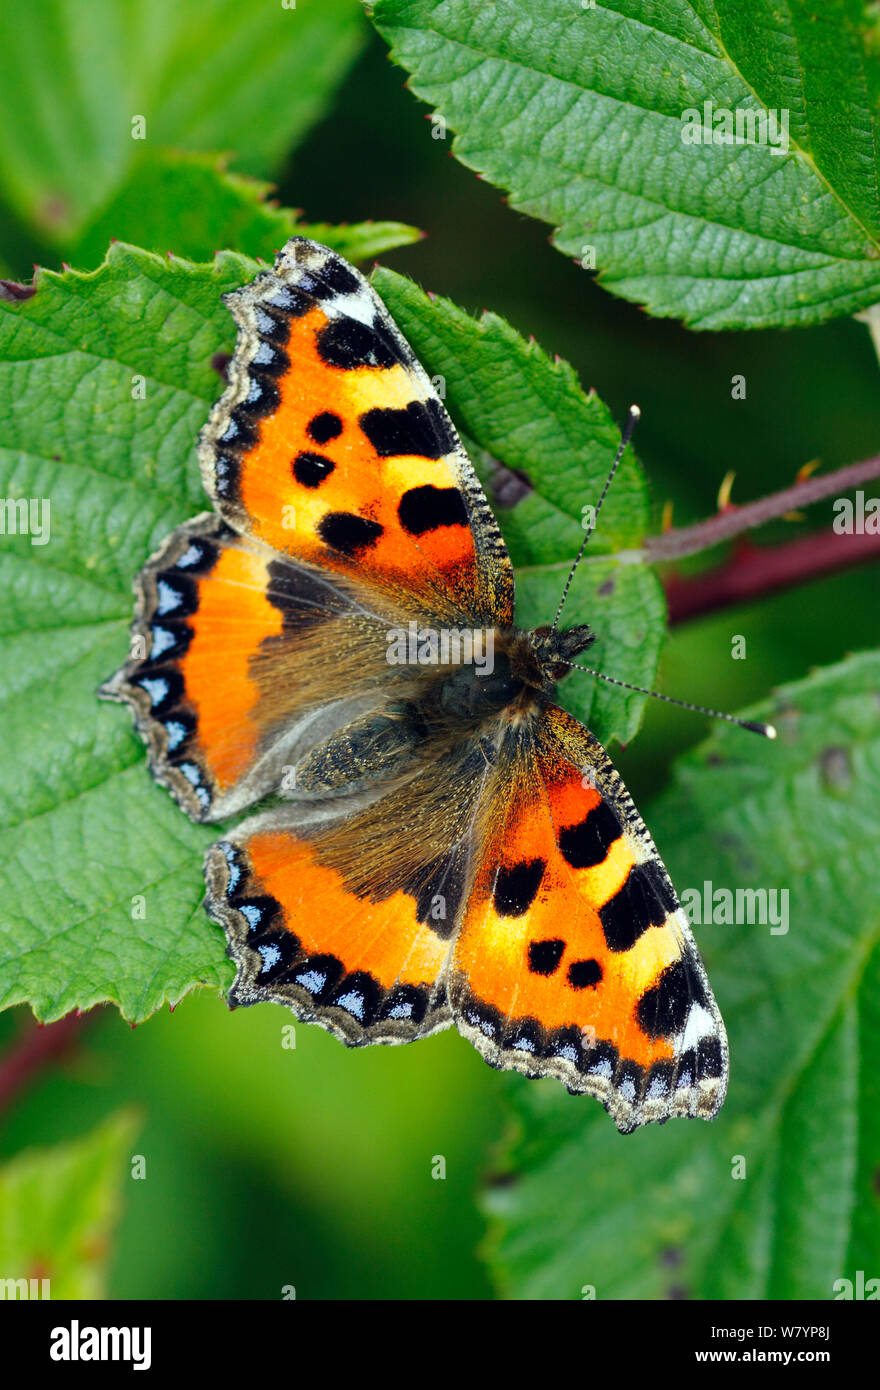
x,y
313,1167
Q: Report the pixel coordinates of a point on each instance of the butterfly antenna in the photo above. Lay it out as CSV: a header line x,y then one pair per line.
x,y
632,420
754,726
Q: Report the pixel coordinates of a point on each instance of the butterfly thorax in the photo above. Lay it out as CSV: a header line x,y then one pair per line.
x,y
516,676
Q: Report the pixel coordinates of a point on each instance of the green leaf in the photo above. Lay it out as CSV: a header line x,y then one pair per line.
x,y
191,205
517,406
578,112
203,74
105,380
102,875
59,1209
662,1212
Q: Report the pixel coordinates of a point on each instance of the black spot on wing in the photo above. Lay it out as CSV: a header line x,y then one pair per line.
x,y
286,302
644,900
544,956
311,469
324,427
348,344
421,428
269,361
334,277
584,974
348,533
226,474
426,508
710,1059
687,1070
587,844
274,328
263,398
663,1009
515,888
240,433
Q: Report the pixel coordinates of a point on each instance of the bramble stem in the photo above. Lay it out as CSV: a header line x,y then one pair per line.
x,y
35,1049
755,571
688,540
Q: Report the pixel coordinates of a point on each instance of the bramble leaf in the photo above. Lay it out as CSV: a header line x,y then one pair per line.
x,y
191,205
587,115
86,90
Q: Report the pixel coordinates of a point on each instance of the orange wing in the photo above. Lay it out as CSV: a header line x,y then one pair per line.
x,y
369,972
332,447
574,958
242,663
347,913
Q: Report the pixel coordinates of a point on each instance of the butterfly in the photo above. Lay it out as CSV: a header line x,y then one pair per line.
x,y
436,840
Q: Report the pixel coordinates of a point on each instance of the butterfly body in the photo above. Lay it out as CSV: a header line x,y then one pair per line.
x,y
435,840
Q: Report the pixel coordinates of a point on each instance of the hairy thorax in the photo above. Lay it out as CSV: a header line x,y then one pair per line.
x,y
512,686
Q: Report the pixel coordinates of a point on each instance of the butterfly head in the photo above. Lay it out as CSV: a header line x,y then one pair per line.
x,y
555,649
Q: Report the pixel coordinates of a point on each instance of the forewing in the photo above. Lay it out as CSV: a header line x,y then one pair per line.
x,y
332,446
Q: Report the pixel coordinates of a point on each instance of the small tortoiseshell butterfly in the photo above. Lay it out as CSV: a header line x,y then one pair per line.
x,y
446,844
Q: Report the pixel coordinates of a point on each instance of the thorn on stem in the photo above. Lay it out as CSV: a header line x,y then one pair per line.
x,y
724,502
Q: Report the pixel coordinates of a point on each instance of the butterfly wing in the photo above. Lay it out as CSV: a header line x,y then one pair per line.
x,y
242,662
574,958
332,446
348,919
346,507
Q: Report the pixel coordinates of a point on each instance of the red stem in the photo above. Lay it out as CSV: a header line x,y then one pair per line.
x,y
35,1049
752,572
733,520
